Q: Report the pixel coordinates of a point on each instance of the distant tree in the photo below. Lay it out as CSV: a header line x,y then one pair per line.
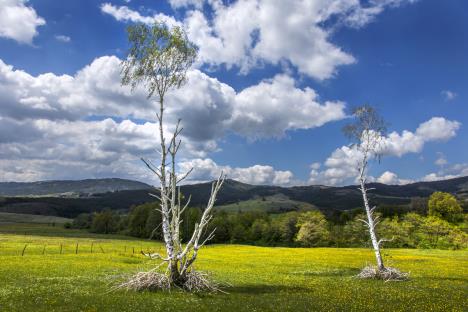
x,y
445,206
458,239
313,229
258,230
222,224
82,221
432,230
190,218
419,205
158,59
153,224
354,232
105,222
288,227
138,218
398,230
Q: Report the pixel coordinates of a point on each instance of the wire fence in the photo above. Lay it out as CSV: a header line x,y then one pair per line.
x,y
77,248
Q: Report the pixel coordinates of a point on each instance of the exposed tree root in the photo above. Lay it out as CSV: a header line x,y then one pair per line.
x,y
387,274
195,281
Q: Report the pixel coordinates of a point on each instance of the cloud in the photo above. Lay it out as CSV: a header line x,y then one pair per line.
x,y
438,129
282,31
448,95
90,118
207,169
94,90
63,38
342,163
441,160
268,109
315,165
450,172
18,21
276,105
435,129
186,3
75,149
391,178
124,14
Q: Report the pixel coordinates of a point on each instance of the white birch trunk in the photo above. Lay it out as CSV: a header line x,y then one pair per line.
x,y
371,225
162,178
180,260
371,221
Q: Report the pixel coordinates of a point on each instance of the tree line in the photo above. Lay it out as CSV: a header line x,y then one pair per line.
x,y
438,222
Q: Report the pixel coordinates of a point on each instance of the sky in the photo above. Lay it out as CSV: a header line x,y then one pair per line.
x,y
273,85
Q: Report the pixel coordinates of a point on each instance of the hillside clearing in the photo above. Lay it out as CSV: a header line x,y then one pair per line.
x,y
272,204
7,217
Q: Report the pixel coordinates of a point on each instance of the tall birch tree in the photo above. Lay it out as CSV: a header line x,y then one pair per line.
x,y
158,59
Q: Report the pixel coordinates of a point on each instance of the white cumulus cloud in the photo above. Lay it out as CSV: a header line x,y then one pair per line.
x,y
291,31
90,118
391,178
19,21
341,165
206,170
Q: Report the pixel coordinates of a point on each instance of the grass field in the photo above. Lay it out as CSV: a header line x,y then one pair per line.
x,y
262,279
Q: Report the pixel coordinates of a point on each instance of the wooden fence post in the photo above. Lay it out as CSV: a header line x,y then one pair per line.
x,y
43,250
24,249
76,250
61,247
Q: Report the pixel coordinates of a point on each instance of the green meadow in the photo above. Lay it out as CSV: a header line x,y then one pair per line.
x,y
53,269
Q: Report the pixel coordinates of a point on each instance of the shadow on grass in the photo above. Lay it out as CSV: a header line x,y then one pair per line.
x,y
325,273
263,289
440,278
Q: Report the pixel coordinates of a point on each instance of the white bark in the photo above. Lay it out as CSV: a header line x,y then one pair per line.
x,y
367,146
180,259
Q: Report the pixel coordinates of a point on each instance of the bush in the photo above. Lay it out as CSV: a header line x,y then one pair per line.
x,y
313,229
445,206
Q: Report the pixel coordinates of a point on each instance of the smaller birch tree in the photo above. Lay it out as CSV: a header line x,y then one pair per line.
x,y
367,133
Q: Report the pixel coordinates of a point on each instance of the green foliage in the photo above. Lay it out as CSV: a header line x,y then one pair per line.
x,y
355,232
445,206
367,122
105,222
307,229
144,221
419,205
83,221
313,229
159,57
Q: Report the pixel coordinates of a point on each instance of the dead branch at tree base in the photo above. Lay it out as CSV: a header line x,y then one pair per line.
x,y
195,281
387,274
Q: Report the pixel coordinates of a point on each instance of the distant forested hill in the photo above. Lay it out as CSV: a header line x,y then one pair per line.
x,y
69,187
69,198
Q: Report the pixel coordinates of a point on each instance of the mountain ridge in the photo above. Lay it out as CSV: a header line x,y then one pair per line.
x,y
325,198
57,187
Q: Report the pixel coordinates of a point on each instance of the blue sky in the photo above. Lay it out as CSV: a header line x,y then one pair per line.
x,y
64,116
